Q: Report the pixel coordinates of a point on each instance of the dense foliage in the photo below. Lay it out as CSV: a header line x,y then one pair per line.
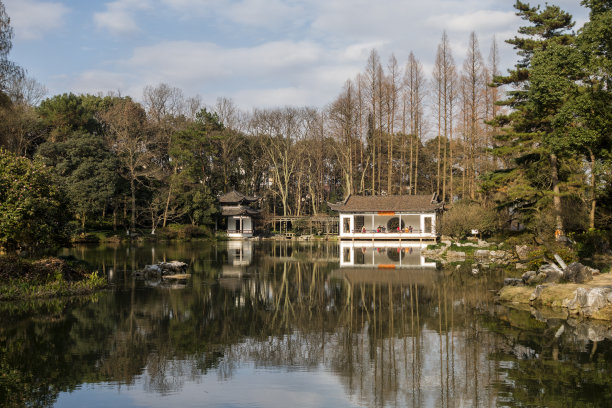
x,y
32,207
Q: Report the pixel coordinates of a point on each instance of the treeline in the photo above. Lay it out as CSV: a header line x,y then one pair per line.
x,y
534,144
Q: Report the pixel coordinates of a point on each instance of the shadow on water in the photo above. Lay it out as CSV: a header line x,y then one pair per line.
x,y
389,328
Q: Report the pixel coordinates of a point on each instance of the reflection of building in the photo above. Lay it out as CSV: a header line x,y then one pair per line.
x,y
239,257
382,255
239,213
389,217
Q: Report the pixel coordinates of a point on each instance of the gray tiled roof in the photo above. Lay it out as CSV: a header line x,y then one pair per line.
x,y
235,197
408,203
240,210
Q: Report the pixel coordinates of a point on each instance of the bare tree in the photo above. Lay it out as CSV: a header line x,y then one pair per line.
x,y
279,130
371,79
163,101
475,92
127,135
394,89
445,77
414,85
343,120
26,91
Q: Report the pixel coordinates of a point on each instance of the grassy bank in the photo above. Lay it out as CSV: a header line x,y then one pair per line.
x,y
173,232
22,279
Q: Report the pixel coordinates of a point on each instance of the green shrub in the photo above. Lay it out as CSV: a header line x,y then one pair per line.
x,y
32,207
538,256
185,232
592,242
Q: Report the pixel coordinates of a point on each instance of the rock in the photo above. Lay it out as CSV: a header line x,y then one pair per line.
x,y
522,251
560,261
553,273
536,293
524,353
588,301
165,268
527,275
560,331
537,278
454,255
513,282
596,299
501,256
481,254
578,273
174,267
520,266
152,269
475,269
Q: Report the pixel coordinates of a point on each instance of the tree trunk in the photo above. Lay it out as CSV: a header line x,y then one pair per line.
x,y
593,191
556,196
133,193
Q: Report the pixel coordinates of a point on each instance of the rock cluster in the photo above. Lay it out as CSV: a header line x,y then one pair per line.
x,y
163,269
483,256
498,256
588,301
551,273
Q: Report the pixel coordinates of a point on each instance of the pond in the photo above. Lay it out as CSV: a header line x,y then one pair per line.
x,y
272,324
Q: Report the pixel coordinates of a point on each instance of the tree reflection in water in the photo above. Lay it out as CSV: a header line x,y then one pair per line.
x,y
410,337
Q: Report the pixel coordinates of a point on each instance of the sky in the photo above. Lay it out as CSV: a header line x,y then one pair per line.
x,y
260,53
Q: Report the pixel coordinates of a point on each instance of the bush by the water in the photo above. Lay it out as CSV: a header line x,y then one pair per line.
x,y
47,277
32,207
185,232
464,216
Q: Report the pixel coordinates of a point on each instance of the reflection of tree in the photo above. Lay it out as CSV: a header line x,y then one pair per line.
x,y
407,341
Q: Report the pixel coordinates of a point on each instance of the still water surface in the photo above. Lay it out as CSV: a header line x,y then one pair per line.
x,y
303,325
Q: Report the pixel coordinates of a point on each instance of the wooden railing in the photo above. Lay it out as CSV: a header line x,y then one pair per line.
x,y
388,231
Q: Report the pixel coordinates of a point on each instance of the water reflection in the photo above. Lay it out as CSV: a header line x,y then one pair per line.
x,y
383,255
319,334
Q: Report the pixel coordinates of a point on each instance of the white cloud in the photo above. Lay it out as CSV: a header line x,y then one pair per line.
x,y
98,81
184,61
118,17
479,21
31,19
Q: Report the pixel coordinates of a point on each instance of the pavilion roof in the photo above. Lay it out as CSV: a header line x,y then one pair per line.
x,y
234,197
239,210
395,203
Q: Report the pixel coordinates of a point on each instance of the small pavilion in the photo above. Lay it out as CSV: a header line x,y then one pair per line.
x,y
406,217
240,213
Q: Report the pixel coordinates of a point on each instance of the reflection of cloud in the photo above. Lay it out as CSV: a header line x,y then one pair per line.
x,y
31,18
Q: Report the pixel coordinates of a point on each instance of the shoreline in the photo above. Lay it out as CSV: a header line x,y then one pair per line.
x,y
591,300
51,277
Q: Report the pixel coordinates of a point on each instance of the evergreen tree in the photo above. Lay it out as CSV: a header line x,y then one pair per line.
x,y
526,188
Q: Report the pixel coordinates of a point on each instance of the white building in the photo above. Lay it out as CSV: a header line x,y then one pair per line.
x,y
406,217
239,214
